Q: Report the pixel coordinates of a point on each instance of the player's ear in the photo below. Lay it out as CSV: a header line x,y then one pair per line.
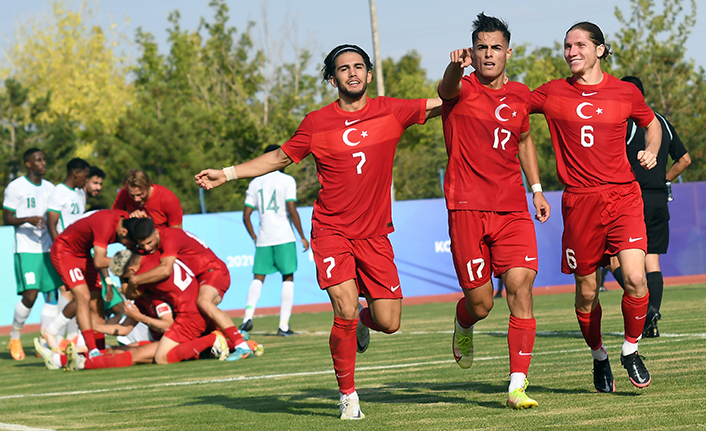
x,y
508,53
370,76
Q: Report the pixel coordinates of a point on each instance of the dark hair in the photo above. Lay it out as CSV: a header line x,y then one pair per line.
x,y
329,69
76,164
489,24
29,152
138,229
271,147
634,80
595,34
95,171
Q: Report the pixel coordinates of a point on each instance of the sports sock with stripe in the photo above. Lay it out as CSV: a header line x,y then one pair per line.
x,y
590,324
343,346
634,313
520,341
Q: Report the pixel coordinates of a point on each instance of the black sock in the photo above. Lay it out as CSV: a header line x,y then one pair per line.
x,y
655,284
618,274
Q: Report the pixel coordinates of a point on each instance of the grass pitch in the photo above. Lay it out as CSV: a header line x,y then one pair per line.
x,y
406,381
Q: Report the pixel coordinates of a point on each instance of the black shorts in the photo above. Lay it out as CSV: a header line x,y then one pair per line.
x,y
656,221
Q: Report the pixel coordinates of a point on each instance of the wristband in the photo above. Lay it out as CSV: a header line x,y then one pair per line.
x,y
108,281
536,188
230,173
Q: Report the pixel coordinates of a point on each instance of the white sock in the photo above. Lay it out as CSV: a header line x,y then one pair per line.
x,y
243,345
463,330
21,315
72,329
600,354
62,302
56,359
49,312
517,381
253,296
58,325
628,348
285,311
352,396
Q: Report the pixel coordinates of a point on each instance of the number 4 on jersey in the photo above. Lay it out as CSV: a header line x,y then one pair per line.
x,y
272,205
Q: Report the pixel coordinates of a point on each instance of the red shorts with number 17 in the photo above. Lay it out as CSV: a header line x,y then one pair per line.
x,y
598,223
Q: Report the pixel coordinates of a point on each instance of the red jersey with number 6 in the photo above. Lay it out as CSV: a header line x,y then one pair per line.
x,y
482,128
354,153
587,124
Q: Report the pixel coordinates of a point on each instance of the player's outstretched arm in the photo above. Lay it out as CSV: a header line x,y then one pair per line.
x,y
653,140
450,85
528,159
433,108
268,162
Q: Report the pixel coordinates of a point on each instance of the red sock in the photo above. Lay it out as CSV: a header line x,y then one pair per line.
x,y
343,349
100,340
590,324
64,359
462,316
233,335
368,321
634,312
520,341
191,349
88,337
109,361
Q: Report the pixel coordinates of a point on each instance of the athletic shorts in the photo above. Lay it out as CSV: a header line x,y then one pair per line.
x,y
482,241
367,261
187,326
218,277
34,271
599,222
656,221
280,258
75,271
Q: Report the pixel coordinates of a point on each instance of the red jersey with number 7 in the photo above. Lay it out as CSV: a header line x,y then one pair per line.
x,y
587,124
354,153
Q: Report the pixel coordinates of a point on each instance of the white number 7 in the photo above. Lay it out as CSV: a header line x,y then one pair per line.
x,y
362,161
330,267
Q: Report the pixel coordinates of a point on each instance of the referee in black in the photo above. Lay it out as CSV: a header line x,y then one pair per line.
x,y
656,185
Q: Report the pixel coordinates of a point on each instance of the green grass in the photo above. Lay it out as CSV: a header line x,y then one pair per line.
x,y
406,381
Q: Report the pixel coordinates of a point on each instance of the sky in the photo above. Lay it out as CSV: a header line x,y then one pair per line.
x,y
404,25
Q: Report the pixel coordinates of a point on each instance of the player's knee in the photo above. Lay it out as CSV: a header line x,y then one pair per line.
x,y
160,359
635,281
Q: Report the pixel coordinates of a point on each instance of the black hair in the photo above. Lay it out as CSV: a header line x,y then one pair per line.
x,y
595,34
95,171
271,147
76,164
634,80
138,229
489,24
329,69
29,152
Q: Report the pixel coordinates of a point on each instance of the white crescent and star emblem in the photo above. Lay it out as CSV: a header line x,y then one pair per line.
x,y
499,109
346,139
581,114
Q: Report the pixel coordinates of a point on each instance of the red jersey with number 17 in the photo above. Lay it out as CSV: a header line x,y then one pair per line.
x,y
482,128
587,124
354,153
190,249
97,229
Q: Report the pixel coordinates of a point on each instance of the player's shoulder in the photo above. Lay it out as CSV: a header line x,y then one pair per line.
x,y
518,88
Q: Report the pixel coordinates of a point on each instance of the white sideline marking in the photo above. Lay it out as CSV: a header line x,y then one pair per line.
x,y
15,427
675,337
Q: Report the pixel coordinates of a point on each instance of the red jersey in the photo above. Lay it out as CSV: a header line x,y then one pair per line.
x,y
188,248
179,289
587,124
97,229
163,207
354,152
482,128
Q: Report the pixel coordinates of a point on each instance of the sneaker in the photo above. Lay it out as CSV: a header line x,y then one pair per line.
x,y
246,326
51,339
362,334
240,353
220,346
603,376
639,376
74,361
287,333
519,400
462,347
46,353
16,350
350,409
651,330
257,349
602,289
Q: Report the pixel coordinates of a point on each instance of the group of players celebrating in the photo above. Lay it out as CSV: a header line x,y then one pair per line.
x,y
486,127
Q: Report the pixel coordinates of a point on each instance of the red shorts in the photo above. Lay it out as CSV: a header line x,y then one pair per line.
x,y
367,261
75,270
218,277
485,240
187,326
598,223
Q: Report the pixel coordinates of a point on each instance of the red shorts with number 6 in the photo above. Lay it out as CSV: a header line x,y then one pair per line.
x,y
598,223
485,240
74,270
367,261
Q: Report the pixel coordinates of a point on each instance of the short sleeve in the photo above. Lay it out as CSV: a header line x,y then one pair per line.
x,y
103,233
172,208
250,195
290,189
161,308
641,113
11,199
538,98
171,245
299,145
409,112
55,202
120,201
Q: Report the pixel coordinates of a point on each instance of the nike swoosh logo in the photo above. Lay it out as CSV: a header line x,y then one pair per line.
x,y
640,317
395,288
342,376
525,354
589,94
529,259
631,239
348,123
